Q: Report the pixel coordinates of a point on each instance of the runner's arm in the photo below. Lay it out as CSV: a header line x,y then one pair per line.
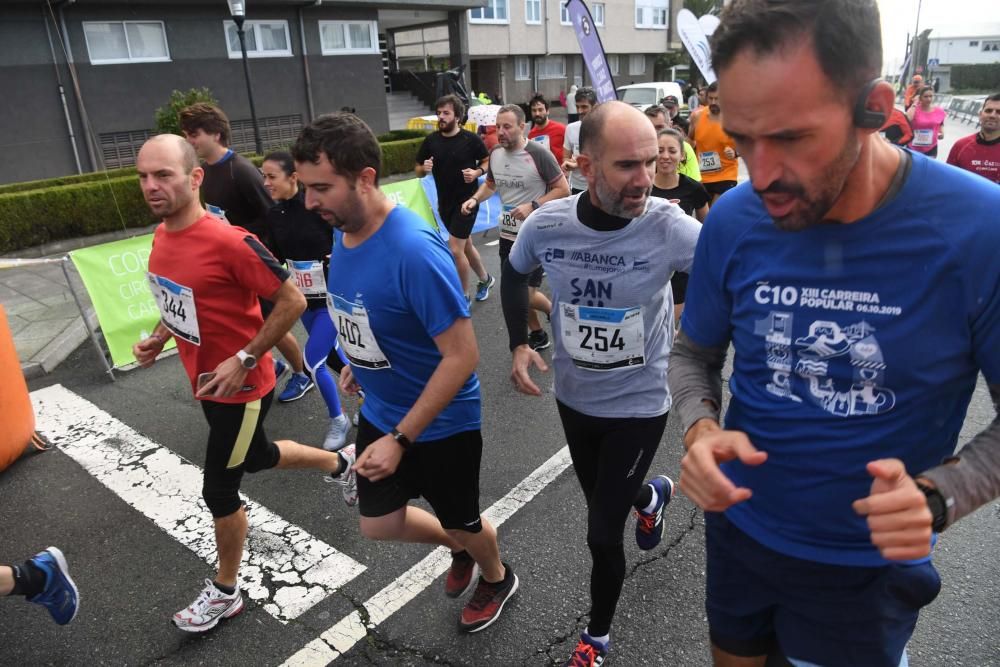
x,y
289,303
971,478
147,349
485,191
459,357
694,375
557,189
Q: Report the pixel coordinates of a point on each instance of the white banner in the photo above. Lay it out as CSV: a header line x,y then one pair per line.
x,y
696,42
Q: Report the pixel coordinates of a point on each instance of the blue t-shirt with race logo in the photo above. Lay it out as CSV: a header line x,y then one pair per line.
x,y
852,343
388,298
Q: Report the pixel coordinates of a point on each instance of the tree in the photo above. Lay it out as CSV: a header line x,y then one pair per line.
x,y
167,121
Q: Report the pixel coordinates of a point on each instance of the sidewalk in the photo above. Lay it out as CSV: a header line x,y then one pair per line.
x,y
43,317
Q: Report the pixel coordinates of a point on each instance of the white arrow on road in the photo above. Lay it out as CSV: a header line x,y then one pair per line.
x,y
281,557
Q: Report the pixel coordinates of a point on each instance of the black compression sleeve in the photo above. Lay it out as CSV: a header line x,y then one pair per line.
x,y
514,299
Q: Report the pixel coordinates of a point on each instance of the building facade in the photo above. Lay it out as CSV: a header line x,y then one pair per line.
x,y
976,45
517,47
84,78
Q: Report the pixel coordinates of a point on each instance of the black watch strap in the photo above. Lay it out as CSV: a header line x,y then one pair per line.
x,y
401,438
937,505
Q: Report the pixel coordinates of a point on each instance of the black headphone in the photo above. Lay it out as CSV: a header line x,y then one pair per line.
x,y
863,116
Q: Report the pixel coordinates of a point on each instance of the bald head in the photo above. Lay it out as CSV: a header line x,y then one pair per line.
x,y
609,119
173,148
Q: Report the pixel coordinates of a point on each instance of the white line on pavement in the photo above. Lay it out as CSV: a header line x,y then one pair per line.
x,y
166,488
347,632
491,242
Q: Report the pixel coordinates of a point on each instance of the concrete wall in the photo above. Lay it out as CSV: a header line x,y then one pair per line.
x,y
124,97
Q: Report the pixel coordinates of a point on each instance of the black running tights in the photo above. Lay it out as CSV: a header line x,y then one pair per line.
x,y
611,457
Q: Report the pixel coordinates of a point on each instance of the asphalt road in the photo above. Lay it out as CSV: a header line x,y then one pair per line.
x,y
133,575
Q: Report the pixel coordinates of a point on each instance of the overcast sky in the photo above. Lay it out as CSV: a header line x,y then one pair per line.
x,y
899,17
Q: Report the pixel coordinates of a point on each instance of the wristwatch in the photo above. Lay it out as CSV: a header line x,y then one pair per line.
x,y
534,204
247,360
399,437
937,505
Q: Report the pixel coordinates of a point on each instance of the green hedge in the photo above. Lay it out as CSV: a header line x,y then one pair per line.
x,y
64,208
25,186
976,77
68,211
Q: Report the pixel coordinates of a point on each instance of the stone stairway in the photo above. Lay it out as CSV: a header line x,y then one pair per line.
x,y
403,106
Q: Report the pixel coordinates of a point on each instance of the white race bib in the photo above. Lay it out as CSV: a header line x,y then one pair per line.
x,y
709,161
509,226
355,334
308,277
543,139
923,137
603,339
177,309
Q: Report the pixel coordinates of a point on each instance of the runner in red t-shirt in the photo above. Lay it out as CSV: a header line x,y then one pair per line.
x,y
545,131
206,277
980,152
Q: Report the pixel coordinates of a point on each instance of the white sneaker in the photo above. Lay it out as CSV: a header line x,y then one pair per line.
x,y
348,480
336,436
210,607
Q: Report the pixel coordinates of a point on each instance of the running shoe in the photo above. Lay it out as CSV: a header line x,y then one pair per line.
x,y
60,595
461,575
588,653
649,525
348,479
279,368
483,287
538,340
336,436
297,386
210,607
488,601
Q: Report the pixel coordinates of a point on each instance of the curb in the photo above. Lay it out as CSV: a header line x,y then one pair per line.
x,y
59,348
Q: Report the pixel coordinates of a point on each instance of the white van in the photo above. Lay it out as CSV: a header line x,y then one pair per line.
x,y
642,95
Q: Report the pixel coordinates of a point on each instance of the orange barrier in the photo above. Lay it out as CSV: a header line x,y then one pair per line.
x,y
16,414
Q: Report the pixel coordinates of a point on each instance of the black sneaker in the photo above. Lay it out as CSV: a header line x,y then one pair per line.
x,y
538,340
488,601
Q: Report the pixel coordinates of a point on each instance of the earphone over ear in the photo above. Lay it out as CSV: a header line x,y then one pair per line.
x,y
863,116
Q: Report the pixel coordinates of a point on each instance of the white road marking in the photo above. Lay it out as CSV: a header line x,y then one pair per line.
x,y
284,568
347,632
492,242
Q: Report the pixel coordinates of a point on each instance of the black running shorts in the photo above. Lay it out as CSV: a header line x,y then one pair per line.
x,y
444,472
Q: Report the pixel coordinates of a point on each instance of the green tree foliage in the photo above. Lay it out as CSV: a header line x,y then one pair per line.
x,y
166,116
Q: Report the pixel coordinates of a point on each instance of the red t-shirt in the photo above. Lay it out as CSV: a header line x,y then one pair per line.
x,y
973,154
206,279
551,136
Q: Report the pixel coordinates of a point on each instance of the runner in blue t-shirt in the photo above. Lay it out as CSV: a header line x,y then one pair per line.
x,y
861,305
403,322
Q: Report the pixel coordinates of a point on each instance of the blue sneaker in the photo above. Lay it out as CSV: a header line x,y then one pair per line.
x,y
588,653
297,386
60,595
649,525
279,368
483,288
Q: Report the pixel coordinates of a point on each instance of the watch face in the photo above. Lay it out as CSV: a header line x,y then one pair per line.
x,y
250,362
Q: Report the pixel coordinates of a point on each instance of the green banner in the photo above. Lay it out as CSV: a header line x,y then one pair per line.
x,y
115,277
410,193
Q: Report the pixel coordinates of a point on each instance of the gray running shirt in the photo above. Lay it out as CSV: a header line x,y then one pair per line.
x,y
520,176
612,306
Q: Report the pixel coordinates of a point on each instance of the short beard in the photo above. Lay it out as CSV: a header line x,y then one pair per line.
x,y
613,203
831,187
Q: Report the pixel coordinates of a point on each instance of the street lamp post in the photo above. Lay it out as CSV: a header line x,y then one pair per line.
x,y
239,16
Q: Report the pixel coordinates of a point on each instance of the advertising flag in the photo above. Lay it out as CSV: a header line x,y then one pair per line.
x,y
592,50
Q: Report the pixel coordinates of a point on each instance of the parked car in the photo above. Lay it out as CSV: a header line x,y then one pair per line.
x,y
642,95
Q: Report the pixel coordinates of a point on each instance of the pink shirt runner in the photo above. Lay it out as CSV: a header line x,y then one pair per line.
x,y
926,126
